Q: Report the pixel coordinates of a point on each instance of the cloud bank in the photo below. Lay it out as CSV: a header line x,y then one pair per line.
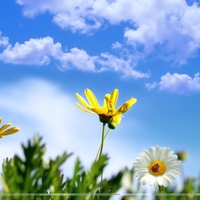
x,y
165,29
42,51
170,27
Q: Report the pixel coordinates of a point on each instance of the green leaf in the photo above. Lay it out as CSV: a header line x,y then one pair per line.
x,y
32,175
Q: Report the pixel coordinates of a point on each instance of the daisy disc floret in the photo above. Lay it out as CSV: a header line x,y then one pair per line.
x,y
157,166
107,113
4,130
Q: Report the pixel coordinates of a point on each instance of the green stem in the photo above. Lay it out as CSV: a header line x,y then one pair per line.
x,y
101,148
103,138
160,192
107,134
102,141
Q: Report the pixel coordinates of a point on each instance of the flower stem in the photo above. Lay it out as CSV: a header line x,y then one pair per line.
x,y
102,141
161,192
101,147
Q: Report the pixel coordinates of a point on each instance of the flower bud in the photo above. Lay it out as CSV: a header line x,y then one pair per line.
x,y
114,121
182,155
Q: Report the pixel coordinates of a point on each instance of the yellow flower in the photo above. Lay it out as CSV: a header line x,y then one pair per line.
x,y
9,131
107,113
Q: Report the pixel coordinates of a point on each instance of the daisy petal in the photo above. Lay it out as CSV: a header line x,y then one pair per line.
x,y
10,131
83,109
114,97
175,171
170,178
91,98
82,101
4,127
127,105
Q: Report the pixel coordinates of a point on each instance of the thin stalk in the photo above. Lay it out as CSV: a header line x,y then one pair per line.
x,y
98,153
161,192
102,141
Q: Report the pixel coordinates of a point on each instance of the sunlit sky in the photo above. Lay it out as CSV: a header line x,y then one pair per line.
x,y
148,49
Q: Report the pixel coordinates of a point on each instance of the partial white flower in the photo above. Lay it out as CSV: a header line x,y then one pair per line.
x,y
157,166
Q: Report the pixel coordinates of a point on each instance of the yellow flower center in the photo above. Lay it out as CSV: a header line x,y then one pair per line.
x,y
157,167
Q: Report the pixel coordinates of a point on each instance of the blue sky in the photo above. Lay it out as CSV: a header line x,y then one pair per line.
x,y
147,49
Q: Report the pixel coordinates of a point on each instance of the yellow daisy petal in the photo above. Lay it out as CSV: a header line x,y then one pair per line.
x,y
4,127
82,101
10,131
91,98
106,99
127,105
98,111
83,109
106,102
114,97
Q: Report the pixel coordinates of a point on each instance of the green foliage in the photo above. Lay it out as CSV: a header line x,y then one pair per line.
x,y
32,174
133,190
34,179
89,184
191,187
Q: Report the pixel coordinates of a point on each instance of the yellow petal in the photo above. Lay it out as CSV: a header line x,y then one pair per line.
x,y
0,121
83,109
82,100
4,127
114,97
106,99
98,111
91,98
10,131
127,105
106,102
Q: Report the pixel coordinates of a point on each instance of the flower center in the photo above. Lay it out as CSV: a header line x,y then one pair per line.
x,y
104,118
157,167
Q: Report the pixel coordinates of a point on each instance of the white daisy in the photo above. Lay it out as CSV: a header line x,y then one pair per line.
x,y
157,166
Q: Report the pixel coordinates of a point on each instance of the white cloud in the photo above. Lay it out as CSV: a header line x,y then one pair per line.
x,y
170,27
124,66
151,86
41,51
32,52
4,41
116,45
75,23
67,14
79,59
180,83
